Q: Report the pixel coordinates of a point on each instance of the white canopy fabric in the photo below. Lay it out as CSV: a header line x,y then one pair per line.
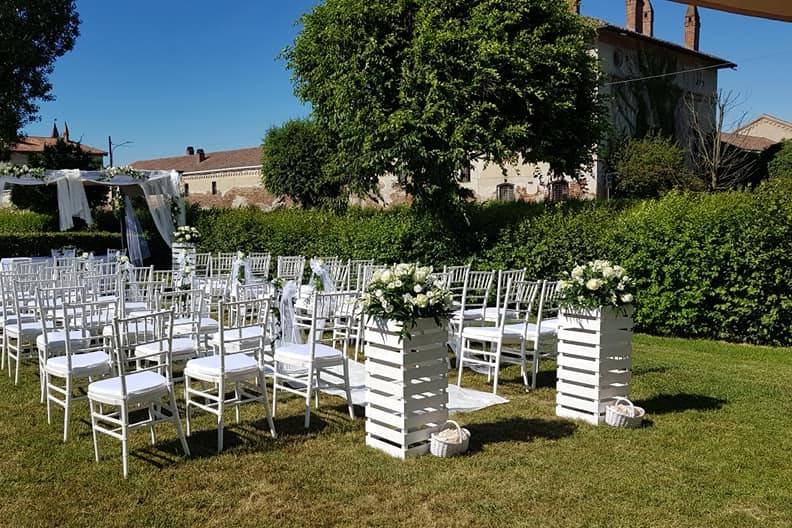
x,y
160,188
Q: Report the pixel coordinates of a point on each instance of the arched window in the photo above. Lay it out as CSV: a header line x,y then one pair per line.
x,y
505,192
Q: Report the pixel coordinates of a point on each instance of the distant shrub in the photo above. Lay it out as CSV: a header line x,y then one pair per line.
x,y
781,164
651,166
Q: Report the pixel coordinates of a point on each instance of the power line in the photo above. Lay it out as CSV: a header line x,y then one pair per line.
x,y
638,79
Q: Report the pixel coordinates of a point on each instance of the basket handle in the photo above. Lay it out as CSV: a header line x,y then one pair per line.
x,y
617,399
452,422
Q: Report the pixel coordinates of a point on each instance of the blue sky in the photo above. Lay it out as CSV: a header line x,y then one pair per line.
x,y
168,74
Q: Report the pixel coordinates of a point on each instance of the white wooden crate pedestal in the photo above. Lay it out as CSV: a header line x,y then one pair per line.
x,y
594,361
189,251
406,386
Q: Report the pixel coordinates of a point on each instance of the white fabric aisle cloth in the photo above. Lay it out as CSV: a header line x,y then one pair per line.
x,y
459,400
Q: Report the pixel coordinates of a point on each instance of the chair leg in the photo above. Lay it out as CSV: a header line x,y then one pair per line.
x,y
151,426
534,367
177,420
460,362
18,359
187,410
48,402
124,440
318,390
348,390
220,410
497,368
238,397
93,430
274,389
308,389
263,384
66,408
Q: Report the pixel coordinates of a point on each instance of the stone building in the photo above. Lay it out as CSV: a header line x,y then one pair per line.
x,y
28,146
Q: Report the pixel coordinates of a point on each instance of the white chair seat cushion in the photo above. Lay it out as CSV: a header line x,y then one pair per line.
x,y
83,365
240,339
208,367
135,306
511,333
29,329
146,385
293,353
56,340
206,325
182,346
12,320
549,327
492,314
468,315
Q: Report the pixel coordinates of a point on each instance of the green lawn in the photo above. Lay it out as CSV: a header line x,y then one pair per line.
x,y
716,453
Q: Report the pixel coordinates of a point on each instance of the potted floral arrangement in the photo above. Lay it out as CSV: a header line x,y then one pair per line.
x,y
185,238
594,339
406,309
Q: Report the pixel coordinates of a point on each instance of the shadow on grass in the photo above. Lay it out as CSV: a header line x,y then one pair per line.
x,y
648,370
518,430
670,403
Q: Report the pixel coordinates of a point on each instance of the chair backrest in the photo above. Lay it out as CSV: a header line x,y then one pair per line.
x,y
549,301
291,268
50,302
339,272
129,333
44,269
105,285
260,265
186,305
520,302
254,291
222,263
330,319
505,276
89,319
355,274
367,273
243,328
203,264
476,291
24,293
114,254
165,277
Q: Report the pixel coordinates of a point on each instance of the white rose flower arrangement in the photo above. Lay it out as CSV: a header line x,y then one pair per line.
x,y
406,293
186,235
594,284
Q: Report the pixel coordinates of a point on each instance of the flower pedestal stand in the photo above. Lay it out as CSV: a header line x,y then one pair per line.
x,y
188,249
594,361
406,386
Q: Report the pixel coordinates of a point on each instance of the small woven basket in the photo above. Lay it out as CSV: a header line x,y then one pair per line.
x,y
445,444
628,415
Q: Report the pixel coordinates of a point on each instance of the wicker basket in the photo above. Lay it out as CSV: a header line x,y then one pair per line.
x,y
445,444
628,415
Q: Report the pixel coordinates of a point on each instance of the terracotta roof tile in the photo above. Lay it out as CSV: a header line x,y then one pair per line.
x,y
37,144
224,159
746,142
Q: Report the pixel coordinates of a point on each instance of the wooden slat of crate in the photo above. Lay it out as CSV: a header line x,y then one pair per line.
x,y
601,378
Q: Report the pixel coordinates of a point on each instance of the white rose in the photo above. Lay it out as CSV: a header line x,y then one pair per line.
x,y
594,284
378,293
408,298
386,276
627,298
619,271
421,300
398,283
417,288
577,272
608,272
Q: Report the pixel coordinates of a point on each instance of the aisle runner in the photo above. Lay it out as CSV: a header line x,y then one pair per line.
x,y
459,400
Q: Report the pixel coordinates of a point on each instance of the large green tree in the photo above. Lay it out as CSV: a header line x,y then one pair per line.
x,y
60,155
294,164
33,33
419,88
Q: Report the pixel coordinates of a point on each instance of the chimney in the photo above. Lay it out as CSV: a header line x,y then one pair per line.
x,y
190,151
692,28
201,155
66,131
648,18
635,15
574,6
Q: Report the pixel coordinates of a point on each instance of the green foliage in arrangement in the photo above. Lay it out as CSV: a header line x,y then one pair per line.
x,y
651,166
418,89
781,164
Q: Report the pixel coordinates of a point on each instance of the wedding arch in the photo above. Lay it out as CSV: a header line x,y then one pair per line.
x,y
160,190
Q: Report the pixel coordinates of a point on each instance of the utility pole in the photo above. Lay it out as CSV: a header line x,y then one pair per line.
x,y
121,220
111,146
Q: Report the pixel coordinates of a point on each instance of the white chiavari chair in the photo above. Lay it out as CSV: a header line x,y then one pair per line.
x,y
8,315
50,303
85,356
222,263
506,342
165,277
260,265
236,364
299,367
475,295
20,335
149,387
492,313
355,275
454,280
203,264
291,268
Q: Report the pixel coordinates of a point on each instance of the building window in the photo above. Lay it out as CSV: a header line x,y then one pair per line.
x,y
505,192
559,190
186,189
464,174
214,187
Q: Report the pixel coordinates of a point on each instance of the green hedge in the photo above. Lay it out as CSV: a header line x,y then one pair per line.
x,y
14,221
41,244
